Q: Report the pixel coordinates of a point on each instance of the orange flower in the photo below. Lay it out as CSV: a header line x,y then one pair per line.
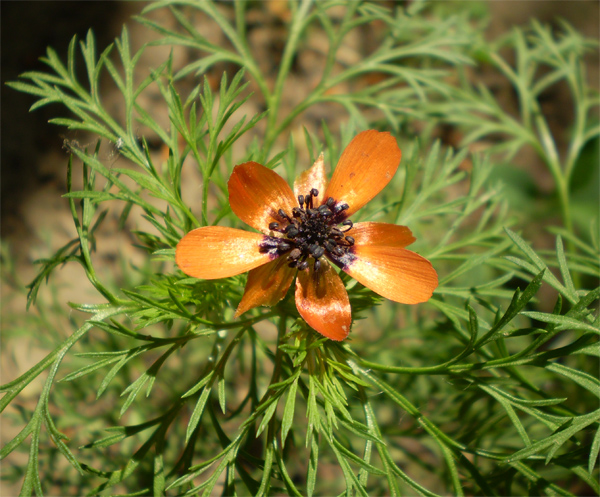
x,y
302,230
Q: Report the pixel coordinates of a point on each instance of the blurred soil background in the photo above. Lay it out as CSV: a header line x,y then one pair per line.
x,y
35,219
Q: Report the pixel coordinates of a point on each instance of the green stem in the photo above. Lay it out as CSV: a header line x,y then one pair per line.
x,y
205,185
239,41
290,50
15,386
237,324
547,149
565,204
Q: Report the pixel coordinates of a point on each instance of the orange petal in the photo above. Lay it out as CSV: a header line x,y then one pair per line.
x,y
365,167
322,301
256,194
393,272
217,252
314,177
383,234
266,285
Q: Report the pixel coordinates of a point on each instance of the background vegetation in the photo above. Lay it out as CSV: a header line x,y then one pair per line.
x,y
489,389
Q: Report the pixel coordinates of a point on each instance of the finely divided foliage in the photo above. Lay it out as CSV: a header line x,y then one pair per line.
x,y
490,388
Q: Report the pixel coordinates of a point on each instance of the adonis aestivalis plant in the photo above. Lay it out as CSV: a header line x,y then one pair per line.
x,y
262,403
304,230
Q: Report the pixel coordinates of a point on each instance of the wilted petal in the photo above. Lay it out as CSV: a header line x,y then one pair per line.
x,y
216,252
322,301
367,164
266,285
256,193
314,177
393,272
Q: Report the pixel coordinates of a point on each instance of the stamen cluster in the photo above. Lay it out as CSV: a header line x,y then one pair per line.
x,y
312,232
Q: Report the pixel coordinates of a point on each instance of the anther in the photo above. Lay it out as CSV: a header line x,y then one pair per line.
x,y
350,240
302,265
291,231
284,246
348,222
301,200
295,254
317,264
282,213
324,210
330,202
314,192
340,208
318,252
336,233
273,226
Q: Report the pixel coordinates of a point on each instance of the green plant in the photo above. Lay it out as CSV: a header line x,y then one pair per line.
x,y
478,391
546,63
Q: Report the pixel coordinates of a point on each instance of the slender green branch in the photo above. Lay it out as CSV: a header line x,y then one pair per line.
x,y
274,101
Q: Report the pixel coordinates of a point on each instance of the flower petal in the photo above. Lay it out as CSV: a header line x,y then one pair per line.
x,y
367,164
216,252
266,285
322,301
256,193
314,177
393,272
384,234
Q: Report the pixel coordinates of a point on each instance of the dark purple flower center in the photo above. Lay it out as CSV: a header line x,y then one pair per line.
x,y
313,232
